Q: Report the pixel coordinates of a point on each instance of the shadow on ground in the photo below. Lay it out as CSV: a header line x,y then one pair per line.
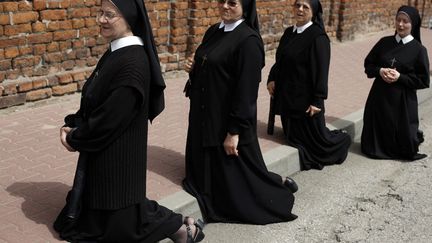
x,y
42,201
167,163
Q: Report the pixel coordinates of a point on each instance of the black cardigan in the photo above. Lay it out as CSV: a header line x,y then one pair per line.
x,y
301,71
111,126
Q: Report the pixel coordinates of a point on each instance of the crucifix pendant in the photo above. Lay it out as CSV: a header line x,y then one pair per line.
x,y
393,61
204,59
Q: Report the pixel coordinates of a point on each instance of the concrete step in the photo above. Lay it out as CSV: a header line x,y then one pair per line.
x,y
283,159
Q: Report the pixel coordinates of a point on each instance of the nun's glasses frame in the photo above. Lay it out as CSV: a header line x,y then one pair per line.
x,y
230,3
108,16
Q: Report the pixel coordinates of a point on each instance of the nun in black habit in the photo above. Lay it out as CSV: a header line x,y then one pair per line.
x,y
108,201
298,83
400,65
225,169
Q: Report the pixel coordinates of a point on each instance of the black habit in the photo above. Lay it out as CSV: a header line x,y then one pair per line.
x,y
390,122
301,77
111,129
225,81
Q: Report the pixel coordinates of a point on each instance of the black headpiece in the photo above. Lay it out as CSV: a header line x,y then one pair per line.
x,y
250,14
135,13
317,12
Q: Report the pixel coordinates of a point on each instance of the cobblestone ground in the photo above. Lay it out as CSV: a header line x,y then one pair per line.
x,y
359,201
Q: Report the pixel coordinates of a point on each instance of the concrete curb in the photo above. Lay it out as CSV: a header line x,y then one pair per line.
x,y
283,159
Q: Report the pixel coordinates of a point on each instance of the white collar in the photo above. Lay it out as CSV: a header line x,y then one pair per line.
x,y
405,40
231,26
126,41
302,28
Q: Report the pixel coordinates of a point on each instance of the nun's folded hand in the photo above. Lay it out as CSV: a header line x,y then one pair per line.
x,y
63,133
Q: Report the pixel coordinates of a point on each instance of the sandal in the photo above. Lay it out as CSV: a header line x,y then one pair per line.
x,y
199,234
291,184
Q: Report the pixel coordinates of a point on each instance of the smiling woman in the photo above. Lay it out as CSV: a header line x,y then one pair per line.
x,y
298,83
400,66
108,200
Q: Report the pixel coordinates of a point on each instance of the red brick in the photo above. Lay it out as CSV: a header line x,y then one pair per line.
x,y
65,45
25,86
68,65
78,23
58,4
64,78
53,81
82,53
40,83
10,7
79,76
25,50
24,6
24,17
39,4
5,65
39,49
65,35
4,19
21,62
12,100
77,3
11,52
38,27
53,14
38,94
64,89
53,47
10,30
40,38
90,22
79,13
13,74
10,88
89,32
55,57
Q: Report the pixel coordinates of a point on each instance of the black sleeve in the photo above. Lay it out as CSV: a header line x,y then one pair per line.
x,y
107,121
275,68
320,63
73,120
420,77
248,66
371,62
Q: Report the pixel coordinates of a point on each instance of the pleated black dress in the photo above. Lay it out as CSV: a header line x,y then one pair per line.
x,y
225,81
390,121
301,77
111,130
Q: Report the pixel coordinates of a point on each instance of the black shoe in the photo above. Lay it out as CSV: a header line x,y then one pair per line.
x,y
419,156
199,234
291,184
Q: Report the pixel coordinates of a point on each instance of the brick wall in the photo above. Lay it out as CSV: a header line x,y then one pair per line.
x,y
49,47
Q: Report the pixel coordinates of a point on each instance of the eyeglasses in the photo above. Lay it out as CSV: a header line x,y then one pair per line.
x,y
230,3
110,17
302,5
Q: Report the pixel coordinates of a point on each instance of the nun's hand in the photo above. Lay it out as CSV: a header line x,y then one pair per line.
x,y
312,110
230,144
393,75
63,133
189,63
271,87
385,74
